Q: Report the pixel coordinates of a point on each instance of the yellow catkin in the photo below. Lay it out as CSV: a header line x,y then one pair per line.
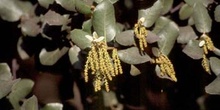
x,y
205,49
208,46
114,52
117,62
208,42
92,56
101,65
97,84
106,85
166,66
141,32
101,61
162,69
86,72
205,64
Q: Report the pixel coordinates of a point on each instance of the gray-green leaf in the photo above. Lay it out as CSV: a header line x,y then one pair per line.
x,y
160,24
45,3
216,51
215,65
202,2
217,13
12,10
168,36
30,104
104,20
50,58
167,5
87,26
191,21
134,71
5,72
193,50
78,37
53,18
67,4
151,14
6,86
158,73
186,34
82,7
112,1
21,52
155,51
74,57
125,38
185,12
202,20
133,56
214,87
151,37
19,91
53,106
30,27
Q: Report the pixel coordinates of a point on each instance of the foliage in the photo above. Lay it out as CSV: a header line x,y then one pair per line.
x,y
154,25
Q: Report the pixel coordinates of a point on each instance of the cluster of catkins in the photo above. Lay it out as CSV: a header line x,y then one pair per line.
x,y
102,66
